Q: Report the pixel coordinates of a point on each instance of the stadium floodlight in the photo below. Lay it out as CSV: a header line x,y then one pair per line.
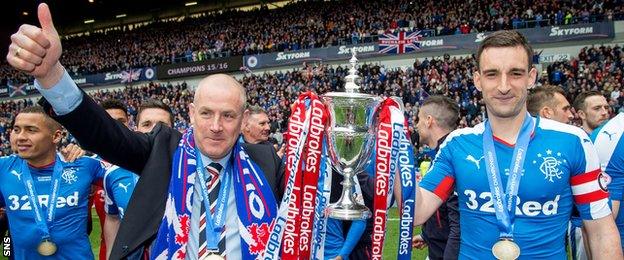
x,y
190,3
25,13
89,21
120,16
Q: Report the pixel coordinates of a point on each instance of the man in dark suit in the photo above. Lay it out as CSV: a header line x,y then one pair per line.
x,y
216,114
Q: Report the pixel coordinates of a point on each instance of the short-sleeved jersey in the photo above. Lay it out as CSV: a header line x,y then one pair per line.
x,y
609,144
68,229
560,168
118,187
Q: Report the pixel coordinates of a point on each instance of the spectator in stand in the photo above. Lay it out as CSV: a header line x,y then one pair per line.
x,y
304,25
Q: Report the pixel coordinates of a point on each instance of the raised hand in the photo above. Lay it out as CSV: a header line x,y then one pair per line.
x,y
36,50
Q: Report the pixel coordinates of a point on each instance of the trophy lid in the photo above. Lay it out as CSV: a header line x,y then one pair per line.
x,y
350,85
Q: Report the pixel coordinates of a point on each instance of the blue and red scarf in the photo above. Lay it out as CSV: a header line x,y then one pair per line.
x,y
255,203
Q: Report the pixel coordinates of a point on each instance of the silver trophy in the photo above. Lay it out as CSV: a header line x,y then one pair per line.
x,y
351,141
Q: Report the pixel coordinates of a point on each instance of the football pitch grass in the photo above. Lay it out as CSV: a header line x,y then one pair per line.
x,y
390,248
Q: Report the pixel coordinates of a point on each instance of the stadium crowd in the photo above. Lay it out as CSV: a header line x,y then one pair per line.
x,y
595,68
309,25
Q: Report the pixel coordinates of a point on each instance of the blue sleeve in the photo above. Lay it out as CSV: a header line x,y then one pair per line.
x,y
3,170
440,178
353,237
109,199
119,186
64,97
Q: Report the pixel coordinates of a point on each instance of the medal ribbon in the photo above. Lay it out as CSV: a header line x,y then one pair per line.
x,y
504,203
27,180
214,227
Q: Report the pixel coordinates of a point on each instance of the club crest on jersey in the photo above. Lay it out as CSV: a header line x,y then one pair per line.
x,y
603,180
69,175
550,165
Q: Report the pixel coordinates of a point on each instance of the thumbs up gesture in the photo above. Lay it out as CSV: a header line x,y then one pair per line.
x,y
36,50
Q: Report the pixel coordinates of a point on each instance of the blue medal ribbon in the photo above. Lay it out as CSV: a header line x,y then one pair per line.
x,y
505,201
214,226
27,180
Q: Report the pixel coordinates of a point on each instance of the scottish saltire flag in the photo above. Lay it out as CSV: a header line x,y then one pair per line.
x,y
399,43
17,89
131,75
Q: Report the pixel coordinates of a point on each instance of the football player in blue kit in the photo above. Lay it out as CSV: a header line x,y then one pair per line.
x,y
119,183
35,177
609,143
517,176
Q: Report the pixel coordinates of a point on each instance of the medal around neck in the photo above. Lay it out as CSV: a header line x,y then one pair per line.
x,y
214,256
506,249
46,248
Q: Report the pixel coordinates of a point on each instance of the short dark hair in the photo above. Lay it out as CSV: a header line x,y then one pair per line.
x,y
52,124
153,103
114,104
505,39
444,110
542,96
579,101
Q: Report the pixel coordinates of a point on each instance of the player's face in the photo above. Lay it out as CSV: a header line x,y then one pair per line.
x,y
257,128
563,110
118,115
503,77
421,127
596,111
216,115
32,138
149,117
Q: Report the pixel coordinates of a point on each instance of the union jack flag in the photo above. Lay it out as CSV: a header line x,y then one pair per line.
x,y
15,90
401,43
128,76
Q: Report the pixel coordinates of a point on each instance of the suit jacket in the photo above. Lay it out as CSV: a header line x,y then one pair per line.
x,y
150,156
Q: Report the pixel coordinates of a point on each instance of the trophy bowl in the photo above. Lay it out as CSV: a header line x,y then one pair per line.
x,y
350,142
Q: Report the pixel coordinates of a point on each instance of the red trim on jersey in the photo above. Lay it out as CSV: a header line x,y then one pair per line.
x,y
585,177
444,188
591,197
508,144
503,142
42,167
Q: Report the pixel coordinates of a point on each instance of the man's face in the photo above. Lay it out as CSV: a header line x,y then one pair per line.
x,y
216,115
596,111
421,127
149,117
563,110
257,128
118,115
31,137
503,78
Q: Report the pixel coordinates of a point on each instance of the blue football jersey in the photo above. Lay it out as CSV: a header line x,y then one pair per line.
x,y
610,147
560,168
118,187
69,228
